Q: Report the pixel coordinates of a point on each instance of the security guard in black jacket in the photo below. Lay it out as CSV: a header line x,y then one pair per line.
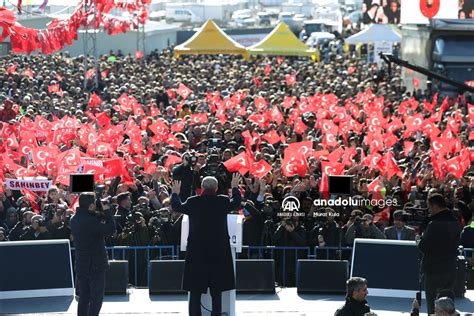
x,y
439,246
89,227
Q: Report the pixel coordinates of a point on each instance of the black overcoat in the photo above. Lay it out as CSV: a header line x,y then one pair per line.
x,y
208,255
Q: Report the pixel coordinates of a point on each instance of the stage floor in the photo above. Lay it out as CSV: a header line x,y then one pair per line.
x,y
285,302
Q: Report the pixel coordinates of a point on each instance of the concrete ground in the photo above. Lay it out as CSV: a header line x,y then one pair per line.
x,y
285,302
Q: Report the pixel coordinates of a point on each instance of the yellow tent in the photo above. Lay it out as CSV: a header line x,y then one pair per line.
x,y
281,42
210,40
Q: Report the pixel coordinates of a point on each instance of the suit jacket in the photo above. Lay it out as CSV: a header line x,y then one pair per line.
x,y
408,233
208,255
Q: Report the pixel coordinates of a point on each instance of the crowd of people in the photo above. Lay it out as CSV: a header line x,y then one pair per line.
x,y
156,119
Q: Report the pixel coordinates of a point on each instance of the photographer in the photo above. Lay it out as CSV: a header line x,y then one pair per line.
x,y
89,227
161,228
251,228
124,208
22,226
37,230
289,234
363,228
185,173
215,168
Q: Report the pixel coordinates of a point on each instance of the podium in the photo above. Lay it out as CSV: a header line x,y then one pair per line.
x,y
234,224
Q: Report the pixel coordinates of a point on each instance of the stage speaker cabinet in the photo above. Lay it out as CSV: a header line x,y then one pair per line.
x,y
116,278
165,276
322,276
255,275
461,277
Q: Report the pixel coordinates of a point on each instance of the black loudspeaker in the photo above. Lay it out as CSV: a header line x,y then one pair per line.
x,y
116,278
165,276
322,276
461,277
255,275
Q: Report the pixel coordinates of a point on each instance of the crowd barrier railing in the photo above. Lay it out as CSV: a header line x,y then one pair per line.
x,y
286,258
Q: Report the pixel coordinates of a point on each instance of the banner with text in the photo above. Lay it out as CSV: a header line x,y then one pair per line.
x,y
33,185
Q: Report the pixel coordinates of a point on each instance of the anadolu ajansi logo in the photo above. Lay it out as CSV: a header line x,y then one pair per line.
x,y
290,204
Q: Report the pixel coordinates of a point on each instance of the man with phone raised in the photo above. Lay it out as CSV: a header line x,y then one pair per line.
x,y
208,255
89,228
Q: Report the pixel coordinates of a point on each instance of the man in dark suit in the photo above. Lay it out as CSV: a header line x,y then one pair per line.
x,y
399,231
208,254
89,229
439,246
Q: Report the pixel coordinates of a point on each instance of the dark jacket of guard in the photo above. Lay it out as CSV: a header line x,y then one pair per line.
x,y
208,255
353,307
439,243
89,231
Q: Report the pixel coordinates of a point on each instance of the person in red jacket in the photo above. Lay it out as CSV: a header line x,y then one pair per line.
x,y
7,113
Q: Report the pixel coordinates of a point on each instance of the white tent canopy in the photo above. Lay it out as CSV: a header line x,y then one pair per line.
x,y
376,33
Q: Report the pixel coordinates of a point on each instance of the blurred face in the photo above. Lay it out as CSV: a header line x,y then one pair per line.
x,y
398,223
54,195
360,294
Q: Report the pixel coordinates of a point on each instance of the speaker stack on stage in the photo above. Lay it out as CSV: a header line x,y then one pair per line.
x,y
255,275
165,276
322,276
116,278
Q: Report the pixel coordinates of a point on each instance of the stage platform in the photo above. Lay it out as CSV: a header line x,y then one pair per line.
x,y
286,302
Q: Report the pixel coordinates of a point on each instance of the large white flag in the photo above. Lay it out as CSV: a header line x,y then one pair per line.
x,y
420,11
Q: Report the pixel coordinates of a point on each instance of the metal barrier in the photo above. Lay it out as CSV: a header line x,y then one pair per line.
x,y
281,263
139,256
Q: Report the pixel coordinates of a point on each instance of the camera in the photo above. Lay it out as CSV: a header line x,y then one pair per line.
x,y
49,211
214,143
141,208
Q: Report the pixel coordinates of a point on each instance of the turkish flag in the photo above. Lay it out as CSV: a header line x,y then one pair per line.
x,y
95,100
54,88
272,137
260,103
294,163
113,167
267,70
257,81
178,127
248,139
90,73
260,169
103,119
183,91
279,60
32,198
288,102
11,69
172,160
124,101
275,115
12,142
416,83
336,154
174,141
305,148
71,157
408,147
197,119
375,188
329,168
237,163
259,119
154,111
299,126
290,79
28,73
351,70
382,216
104,74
